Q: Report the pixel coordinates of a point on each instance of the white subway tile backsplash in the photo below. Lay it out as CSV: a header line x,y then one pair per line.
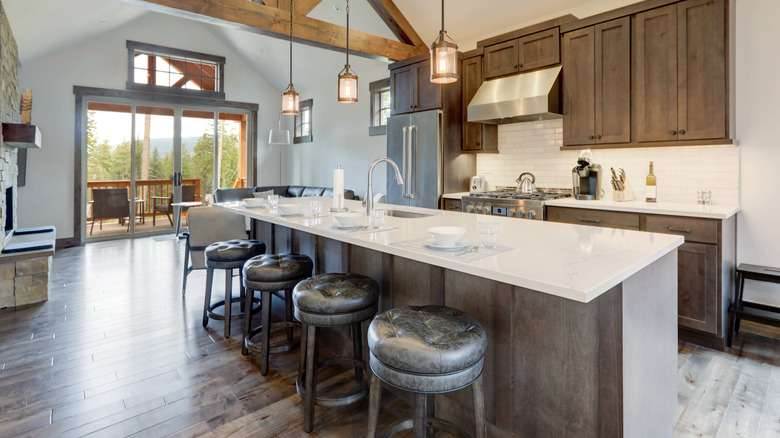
x,y
681,171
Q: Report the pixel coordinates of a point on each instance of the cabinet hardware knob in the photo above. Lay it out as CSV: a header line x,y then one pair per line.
x,y
516,66
521,65
682,132
590,137
598,137
673,132
411,106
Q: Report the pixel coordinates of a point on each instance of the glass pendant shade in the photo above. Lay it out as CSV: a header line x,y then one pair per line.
x,y
348,86
444,60
279,136
291,102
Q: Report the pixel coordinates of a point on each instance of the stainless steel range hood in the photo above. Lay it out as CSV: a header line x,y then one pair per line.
x,y
520,98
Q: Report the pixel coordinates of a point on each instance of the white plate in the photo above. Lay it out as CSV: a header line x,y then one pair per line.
x,y
347,227
461,244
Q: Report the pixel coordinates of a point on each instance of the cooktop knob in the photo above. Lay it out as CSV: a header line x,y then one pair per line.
x,y
520,213
486,209
531,214
510,212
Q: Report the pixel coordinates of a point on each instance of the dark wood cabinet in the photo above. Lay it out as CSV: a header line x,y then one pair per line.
x,y
530,52
452,204
477,137
597,84
680,62
412,89
697,286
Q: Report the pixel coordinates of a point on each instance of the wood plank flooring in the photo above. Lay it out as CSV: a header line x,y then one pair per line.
x,y
116,351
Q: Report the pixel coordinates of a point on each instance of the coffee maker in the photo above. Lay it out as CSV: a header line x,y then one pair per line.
x,y
586,177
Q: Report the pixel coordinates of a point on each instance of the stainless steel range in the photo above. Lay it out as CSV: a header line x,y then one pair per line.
x,y
507,201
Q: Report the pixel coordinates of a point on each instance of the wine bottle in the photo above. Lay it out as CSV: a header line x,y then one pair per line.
x,y
651,189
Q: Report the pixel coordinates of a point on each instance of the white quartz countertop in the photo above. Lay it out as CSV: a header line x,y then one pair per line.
x,y
639,206
577,262
454,195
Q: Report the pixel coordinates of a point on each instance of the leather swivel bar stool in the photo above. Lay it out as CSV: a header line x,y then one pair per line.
x,y
270,273
228,255
426,350
332,300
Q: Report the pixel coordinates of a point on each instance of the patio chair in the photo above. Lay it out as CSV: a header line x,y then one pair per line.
x,y
206,226
187,195
110,204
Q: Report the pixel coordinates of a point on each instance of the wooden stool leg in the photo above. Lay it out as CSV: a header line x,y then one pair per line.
x,y
266,333
304,340
249,294
228,300
311,378
207,304
288,311
242,294
374,399
420,416
479,407
741,291
357,348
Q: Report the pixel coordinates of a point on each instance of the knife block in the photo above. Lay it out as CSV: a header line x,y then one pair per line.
x,y
625,195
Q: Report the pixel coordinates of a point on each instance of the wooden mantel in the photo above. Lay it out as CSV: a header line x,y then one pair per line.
x,y
21,136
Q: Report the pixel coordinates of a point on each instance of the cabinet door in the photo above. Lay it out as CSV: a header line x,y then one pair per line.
x,y
701,61
453,204
428,93
472,79
402,90
501,59
655,48
578,87
613,81
539,50
697,286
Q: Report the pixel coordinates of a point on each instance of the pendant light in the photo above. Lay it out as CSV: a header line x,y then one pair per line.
x,y
290,99
347,78
444,57
279,136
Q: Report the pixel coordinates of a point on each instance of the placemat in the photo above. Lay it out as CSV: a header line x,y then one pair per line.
x,y
361,230
464,255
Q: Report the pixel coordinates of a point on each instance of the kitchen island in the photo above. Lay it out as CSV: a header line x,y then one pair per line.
x,y
581,321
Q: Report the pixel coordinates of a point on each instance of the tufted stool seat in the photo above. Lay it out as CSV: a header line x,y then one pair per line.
x,y
269,273
426,350
227,255
332,300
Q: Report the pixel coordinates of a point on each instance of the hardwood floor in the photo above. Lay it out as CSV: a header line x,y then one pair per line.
x,y
116,351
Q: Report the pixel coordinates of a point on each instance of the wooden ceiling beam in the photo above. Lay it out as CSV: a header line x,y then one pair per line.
x,y
303,7
397,22
274,22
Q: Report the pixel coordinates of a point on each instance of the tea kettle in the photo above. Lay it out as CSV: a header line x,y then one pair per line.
x,y
526,182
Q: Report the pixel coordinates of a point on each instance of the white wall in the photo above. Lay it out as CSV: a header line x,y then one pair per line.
x,y
102,62
757,63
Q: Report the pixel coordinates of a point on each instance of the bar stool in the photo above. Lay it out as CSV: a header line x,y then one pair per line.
x,y
426,350
270,273
332,300
227,255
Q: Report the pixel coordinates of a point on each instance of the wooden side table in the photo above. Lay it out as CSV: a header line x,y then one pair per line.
x,y
747,310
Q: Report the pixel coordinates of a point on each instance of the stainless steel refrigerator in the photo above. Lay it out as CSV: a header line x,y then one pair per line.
x,y
414,142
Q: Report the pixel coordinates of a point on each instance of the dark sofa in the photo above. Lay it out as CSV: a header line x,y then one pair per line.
x,y
237,194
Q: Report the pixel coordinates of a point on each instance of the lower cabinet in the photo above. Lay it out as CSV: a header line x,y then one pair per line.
x,y
452,204
705,264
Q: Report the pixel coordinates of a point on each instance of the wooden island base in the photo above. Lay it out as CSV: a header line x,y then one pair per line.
x,y
554,367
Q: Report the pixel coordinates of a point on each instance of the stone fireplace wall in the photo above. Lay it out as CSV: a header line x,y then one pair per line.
x,y
9,110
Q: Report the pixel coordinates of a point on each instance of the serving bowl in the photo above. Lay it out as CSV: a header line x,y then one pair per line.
x,y
290,208
255,202
446,236
348,219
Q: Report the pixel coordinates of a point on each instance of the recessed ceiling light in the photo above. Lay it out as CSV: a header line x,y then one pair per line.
x,y
336,8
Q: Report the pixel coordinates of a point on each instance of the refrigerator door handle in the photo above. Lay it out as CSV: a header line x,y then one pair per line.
x,y
404,166
412,162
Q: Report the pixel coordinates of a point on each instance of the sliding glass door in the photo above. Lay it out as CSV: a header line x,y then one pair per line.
x,y
177,154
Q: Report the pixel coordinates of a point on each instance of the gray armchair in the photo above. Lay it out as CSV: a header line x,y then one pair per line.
x,y
206,226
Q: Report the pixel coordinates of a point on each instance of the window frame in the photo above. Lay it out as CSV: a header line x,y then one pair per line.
x,y
305,105
134,47
375,90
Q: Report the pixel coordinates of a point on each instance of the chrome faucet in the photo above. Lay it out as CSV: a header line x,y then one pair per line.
x,y
370,192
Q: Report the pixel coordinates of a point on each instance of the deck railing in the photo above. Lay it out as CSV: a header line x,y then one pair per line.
x,y
145,189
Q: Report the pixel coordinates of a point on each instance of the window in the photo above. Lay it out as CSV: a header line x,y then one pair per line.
x,y
380,106
167,70
303,123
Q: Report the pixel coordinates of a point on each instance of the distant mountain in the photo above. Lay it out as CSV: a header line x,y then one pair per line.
x,y
165,145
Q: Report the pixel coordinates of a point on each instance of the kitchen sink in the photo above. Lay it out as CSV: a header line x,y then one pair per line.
x,y
406,214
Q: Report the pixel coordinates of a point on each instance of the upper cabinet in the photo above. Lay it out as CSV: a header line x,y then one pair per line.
x,y
412,90
681,88
521,54
597,78
658,76
477,137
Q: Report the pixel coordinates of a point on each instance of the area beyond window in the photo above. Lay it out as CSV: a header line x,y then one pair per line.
x,y
380,106
167,70
303,123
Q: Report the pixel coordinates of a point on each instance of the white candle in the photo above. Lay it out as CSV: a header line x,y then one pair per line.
x,y
338,188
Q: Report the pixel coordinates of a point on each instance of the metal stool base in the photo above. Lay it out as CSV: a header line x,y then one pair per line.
x,y
255,346
431,422
334,402
211,314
